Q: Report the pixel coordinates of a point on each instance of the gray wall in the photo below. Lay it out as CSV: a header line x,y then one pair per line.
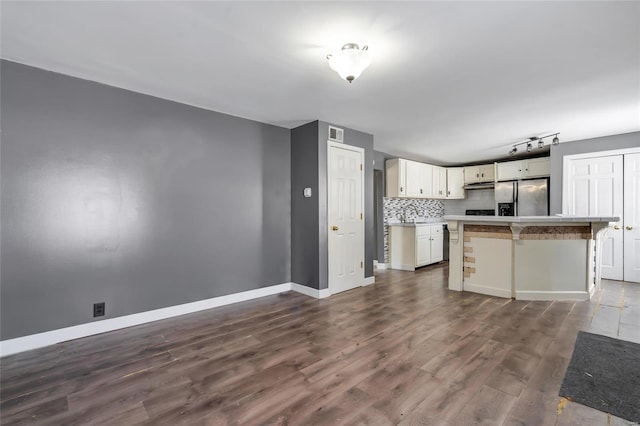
x,y
114,196
305,267
606,143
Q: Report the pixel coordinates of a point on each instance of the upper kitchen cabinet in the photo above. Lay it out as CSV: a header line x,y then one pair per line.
x,y
455,182
411,179
481,173
524,169
439,183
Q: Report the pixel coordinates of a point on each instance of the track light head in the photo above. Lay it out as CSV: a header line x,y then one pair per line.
x,y
529,147
540,143
555,140
513,151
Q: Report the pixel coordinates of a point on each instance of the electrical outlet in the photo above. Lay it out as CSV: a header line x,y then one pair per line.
x,y
98,309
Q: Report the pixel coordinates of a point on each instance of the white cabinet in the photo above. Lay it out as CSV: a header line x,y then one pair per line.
x,y
411,179
415,246
480,173
455,182
523,169
439,182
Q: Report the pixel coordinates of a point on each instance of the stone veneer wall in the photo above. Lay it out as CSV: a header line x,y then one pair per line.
x,y
394,208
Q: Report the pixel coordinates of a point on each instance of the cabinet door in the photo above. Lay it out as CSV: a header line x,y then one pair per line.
x,y
471,174
510,170
486,173
439,182
396,176
436,248
423,249
426,189
414,179
537,167
455,182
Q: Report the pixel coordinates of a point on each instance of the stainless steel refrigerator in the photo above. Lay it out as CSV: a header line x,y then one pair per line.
x,y
522,198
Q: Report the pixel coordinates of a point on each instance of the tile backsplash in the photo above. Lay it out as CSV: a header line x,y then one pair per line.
x,y
395,208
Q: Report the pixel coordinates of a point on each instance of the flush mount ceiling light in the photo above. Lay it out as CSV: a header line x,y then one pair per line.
x,y
350,61
529,142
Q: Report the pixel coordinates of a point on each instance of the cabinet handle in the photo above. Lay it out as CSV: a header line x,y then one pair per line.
x,y
629,227
334,228
616,227
477,174
401,190
448,192
482,174
421,190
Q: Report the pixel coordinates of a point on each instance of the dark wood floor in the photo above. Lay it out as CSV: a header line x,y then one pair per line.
x,y
403,351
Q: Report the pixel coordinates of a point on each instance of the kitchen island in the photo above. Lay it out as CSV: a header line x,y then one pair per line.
x,y
526,257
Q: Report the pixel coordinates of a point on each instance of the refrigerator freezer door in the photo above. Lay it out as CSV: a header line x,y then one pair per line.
x,y
505,198
504,192
533,198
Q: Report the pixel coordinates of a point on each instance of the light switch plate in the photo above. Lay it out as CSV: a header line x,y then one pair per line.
x,y
307,192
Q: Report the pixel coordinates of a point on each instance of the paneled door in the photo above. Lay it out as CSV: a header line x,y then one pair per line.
x,y
632,217
596,189
345,217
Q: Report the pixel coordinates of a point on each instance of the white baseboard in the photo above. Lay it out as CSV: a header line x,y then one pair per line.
x,y
403,267
39,340
382,265
369,280
552,295
313,292
489,291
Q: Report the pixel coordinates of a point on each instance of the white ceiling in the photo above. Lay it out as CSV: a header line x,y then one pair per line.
x,y
450,82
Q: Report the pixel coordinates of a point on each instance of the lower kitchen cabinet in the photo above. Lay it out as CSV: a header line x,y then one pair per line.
x,y
414,245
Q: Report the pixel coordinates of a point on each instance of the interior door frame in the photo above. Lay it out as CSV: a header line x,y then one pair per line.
x,y
331,145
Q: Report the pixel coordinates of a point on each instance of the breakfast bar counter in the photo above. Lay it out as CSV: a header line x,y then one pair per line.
x,y
526,257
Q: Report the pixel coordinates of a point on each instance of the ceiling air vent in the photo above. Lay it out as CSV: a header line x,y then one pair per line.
x,y
336,135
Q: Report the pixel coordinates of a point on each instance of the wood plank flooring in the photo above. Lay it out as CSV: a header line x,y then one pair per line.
x,y
404,351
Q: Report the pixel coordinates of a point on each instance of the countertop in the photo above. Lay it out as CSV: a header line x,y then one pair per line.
x,y
426,222
531,219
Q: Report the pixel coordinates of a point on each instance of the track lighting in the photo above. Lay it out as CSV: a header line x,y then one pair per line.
x,y
529,142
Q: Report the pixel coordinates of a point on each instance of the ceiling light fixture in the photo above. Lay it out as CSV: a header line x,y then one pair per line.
x,y
350,61
529,142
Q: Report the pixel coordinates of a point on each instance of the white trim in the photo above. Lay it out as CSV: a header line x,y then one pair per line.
x,y
489,291
312,292
34,341
552,295
382,266
369,280
403,267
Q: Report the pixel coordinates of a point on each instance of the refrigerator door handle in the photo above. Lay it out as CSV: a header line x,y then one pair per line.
x,y
515,199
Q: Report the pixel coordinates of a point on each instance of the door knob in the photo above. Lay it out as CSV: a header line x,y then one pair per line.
x,y
334,228
616,227
629,227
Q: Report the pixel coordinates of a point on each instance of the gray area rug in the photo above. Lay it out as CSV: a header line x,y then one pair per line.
x,y
604,373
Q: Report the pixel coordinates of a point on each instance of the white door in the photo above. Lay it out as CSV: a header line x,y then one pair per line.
x,y
632,217
346,217
596,189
